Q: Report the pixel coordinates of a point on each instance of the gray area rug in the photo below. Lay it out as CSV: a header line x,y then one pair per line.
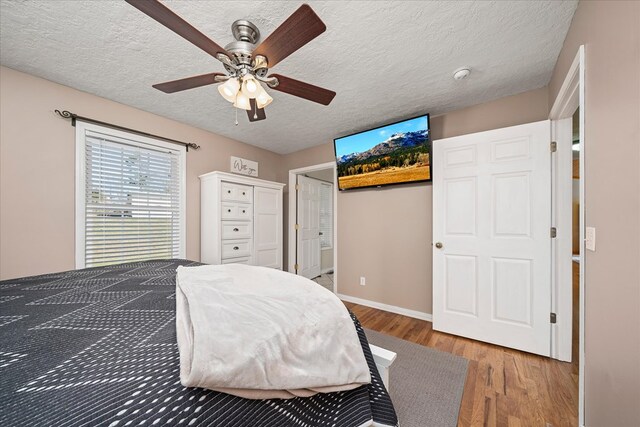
x,y
426,384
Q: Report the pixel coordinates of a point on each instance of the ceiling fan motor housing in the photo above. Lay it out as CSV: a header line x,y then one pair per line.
x,y
247,36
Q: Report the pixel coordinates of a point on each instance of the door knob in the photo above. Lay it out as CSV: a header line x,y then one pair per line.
x,y
439,245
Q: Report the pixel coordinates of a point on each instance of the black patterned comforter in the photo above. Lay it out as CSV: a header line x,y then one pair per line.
x,y
98,347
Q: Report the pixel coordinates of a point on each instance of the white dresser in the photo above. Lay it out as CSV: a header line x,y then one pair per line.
x,y
240,220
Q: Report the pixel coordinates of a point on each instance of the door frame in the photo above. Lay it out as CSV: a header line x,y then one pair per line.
x,y
570,97
291,223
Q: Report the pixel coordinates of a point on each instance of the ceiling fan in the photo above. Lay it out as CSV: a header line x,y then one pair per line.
x,y
245,63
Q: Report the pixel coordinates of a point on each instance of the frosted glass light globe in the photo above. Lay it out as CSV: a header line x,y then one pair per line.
x,y
250,86
242,101
229,89
263,99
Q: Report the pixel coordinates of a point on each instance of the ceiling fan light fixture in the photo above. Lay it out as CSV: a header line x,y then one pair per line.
x,y
250,86
246,62
263,99
229,89
242,101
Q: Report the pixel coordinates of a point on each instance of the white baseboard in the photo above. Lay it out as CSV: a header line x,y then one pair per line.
x,y
386,307
326,270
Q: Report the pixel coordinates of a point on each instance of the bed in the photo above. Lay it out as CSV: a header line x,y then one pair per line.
x,y
98,347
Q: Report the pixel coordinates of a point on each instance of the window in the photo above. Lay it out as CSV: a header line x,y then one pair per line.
x,y
326,215
130,197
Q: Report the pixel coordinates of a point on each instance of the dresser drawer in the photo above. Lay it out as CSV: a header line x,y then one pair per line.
x,y
236,192
236,230
236,249
244,260
241,211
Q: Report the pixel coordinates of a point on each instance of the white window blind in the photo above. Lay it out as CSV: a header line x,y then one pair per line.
x,y
132,200
326,215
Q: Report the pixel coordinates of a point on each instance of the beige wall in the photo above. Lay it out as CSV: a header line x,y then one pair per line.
x,y
385,234
37,169
610,32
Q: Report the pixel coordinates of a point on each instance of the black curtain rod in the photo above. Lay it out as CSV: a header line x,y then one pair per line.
x,y
68,115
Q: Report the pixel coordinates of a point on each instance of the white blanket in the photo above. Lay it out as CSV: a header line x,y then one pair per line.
x,y
261,333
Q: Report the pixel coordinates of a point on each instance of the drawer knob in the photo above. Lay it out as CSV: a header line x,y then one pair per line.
x,y
236,229
243,193
235,248
229,191
243,211
228,210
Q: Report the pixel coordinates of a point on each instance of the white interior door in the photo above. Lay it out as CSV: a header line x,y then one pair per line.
x,y
268,227
308,234
492,243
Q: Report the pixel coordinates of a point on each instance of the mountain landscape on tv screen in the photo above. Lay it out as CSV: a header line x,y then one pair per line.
x,y
393,143
403,157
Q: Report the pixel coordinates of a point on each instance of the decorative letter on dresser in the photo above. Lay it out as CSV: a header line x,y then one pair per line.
x,y
240,220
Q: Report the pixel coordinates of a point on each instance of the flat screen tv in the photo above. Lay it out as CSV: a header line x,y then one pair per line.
x,y
396,153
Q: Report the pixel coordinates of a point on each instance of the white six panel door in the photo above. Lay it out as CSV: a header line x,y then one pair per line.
x,y
492,219
308,236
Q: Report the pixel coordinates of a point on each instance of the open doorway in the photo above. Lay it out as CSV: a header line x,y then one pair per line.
x,y
312,224
323,181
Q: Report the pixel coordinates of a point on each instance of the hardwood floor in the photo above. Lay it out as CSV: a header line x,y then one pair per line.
x,y
504,387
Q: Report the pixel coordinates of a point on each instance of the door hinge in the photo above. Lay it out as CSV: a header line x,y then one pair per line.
x,y
297,187
296,267
297,226
554,232
552,318
554,146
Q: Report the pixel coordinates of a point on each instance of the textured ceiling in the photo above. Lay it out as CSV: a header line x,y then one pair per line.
x,y
386,60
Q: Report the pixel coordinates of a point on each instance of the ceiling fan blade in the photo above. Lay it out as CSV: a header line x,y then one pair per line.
x,y
303,90
299,29
169,19
188,83
255,114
